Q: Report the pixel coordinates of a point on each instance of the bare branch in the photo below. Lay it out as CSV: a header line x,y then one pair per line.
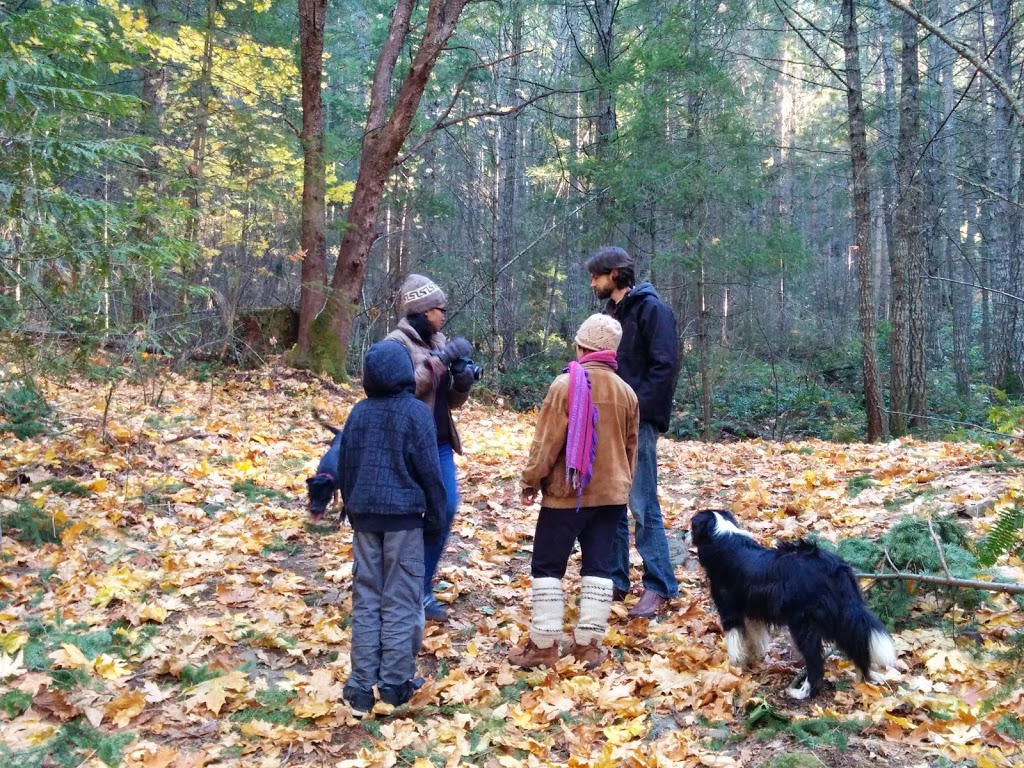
x,y
966,52
982,287
990,586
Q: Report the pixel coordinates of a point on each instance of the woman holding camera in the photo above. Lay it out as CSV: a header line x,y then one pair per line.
x,y
444,377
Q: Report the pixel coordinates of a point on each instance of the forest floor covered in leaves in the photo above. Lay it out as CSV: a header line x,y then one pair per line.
x,y
188,614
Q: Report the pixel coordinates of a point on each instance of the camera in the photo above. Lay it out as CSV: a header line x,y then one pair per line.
x,y
466,363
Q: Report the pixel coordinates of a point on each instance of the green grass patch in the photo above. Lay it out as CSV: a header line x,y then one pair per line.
x,y
15,703
766,722
31,525
322,529
23,410
194,675
257,494
74,743
857,484
289,548
63,486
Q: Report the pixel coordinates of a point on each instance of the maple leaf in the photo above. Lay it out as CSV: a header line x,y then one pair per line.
x,y
122,709
12,642
214,693
149,755
110,668
12,667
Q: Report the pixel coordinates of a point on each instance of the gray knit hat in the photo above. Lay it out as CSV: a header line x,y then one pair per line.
x,y
600,332
608,258
418,294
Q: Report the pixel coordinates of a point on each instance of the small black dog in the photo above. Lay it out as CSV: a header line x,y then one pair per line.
x,y
797,585
323,486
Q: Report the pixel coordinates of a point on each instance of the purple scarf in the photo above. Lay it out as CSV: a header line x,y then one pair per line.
x,y
581,436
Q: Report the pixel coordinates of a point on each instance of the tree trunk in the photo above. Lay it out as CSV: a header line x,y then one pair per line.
x,y
862,224
1001,246
956,247
153,95
385,134
312,293
507,184
910,220
704,333
606,125
202,127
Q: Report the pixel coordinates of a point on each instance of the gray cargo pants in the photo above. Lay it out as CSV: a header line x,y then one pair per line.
x,y
387,607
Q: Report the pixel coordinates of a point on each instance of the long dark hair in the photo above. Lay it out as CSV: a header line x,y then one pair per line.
x,y
421,324
624,278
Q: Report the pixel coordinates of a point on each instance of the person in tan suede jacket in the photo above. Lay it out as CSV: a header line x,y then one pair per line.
x,y
581,462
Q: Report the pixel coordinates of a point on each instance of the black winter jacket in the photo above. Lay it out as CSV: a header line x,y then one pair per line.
x,y
389,472
649,351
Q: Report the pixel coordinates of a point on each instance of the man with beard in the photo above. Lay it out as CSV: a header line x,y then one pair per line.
x,y
648,359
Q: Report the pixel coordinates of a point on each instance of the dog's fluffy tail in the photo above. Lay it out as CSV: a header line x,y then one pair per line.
x,y
865,639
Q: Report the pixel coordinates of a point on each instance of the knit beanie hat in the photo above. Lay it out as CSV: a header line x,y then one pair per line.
x,y
418,294
599,332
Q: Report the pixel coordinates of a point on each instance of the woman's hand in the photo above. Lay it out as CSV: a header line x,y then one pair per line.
x,y
529,496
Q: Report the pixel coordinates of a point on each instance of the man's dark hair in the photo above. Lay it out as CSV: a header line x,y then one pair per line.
x,y
612,257
624,278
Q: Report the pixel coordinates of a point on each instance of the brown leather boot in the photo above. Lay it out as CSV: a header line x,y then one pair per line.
x,y
531,655
649,605
591,656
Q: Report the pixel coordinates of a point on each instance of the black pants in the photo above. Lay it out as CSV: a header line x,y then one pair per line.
x,y
556,531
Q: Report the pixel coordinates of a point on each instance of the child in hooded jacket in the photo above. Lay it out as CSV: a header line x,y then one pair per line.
x,y
394,498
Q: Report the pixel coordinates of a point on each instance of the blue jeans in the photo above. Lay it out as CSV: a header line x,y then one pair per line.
x,y
651,542
432,553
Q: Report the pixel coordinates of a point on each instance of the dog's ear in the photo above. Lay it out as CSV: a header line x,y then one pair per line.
x,y
702,526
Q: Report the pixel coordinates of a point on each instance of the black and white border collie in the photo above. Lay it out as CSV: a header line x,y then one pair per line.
x,y
324,485
797,585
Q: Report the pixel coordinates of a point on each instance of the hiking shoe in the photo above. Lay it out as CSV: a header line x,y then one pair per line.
x,y
397,695
359,699
531,655
433,610
591,655
649,605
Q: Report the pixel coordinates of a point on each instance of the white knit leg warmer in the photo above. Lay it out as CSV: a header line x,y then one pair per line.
x,y
548,612
595,605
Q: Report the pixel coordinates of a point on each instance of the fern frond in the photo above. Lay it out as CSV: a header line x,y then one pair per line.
x,y
1007,535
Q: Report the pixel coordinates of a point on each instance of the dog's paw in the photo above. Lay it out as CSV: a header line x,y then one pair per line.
x,y
800,689
736,646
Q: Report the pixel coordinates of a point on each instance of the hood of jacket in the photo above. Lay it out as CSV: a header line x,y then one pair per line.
x,y
387,370
637,293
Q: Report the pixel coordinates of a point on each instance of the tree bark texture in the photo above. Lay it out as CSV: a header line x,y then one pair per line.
x,y
862,223
909,219
312,241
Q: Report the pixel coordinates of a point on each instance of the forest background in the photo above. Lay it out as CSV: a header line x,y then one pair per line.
x,y
827,195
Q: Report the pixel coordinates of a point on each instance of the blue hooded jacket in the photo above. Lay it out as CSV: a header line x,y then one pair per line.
x,y
389,473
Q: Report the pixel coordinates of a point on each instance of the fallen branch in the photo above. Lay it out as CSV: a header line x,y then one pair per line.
x,y
186,436
991,586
